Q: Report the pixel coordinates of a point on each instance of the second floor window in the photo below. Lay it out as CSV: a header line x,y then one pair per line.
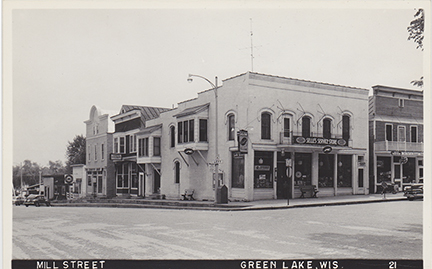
x,y
132,143
389,132
401,133
180,132
156,146
172,133
346,127
95,148
265,125
306,122
286,127
186,131
203,130
102,151
116,145
414,134
327,128
143,147
122,145
231,127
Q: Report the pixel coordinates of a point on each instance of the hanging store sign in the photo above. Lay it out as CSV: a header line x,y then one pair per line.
x,y
188,151
403,160
319,141
327,149
116,157
68,179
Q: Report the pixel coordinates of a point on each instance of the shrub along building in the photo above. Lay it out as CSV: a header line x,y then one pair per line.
x,y
136,151
396,136
274,135
100,178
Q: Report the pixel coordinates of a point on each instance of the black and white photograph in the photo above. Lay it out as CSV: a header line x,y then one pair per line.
x,y
205,134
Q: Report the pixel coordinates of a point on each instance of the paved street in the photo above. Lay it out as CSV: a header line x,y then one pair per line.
x,y
391,230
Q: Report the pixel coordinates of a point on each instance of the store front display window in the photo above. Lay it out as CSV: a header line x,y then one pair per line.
x,y
344,171
326,170
263,169
303,168
383,169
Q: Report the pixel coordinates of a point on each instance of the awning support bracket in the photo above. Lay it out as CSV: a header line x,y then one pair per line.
x,y
199,152
181,155
157,170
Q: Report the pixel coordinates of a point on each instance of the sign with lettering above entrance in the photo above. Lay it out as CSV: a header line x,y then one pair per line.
x,y
116,157
320,141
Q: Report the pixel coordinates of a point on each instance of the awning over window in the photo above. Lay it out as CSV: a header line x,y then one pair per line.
x,y
150,129
192,110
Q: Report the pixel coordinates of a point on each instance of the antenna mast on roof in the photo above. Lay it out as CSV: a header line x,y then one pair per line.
x,y
252,57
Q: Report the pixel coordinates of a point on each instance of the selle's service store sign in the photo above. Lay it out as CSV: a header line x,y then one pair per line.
x,y
320,141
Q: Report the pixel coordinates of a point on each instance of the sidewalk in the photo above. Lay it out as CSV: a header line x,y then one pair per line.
x,y
234,206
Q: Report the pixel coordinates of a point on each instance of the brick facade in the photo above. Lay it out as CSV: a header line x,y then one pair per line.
x,y
396,135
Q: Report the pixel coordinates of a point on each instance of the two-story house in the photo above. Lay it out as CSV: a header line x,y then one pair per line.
x,y
395,136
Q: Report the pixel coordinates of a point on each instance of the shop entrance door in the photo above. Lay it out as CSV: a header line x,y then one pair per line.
x,y
141,184
284,175
156,183
405,171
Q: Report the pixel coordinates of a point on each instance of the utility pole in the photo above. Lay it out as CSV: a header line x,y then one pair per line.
x,y
21,177
251,34
40,182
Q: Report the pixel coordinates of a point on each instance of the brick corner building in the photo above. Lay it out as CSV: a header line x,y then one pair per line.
x,y
395,137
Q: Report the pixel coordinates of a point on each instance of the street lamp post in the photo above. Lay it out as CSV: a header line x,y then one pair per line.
x,y
217,161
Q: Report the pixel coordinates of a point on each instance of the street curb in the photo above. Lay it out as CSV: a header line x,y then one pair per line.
x,y
223,208
320,204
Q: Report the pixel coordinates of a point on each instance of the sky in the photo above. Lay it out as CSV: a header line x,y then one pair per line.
x,y
65,60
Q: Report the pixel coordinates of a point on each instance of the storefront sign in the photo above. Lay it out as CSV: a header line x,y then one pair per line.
x,y
237,154
319,141
116,157
405,153
94,169
262,167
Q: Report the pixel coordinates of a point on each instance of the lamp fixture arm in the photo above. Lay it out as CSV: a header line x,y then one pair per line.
x,y
211,83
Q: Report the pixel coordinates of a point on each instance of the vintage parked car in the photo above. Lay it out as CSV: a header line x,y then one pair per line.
x,y
414,191
19,200
36,200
